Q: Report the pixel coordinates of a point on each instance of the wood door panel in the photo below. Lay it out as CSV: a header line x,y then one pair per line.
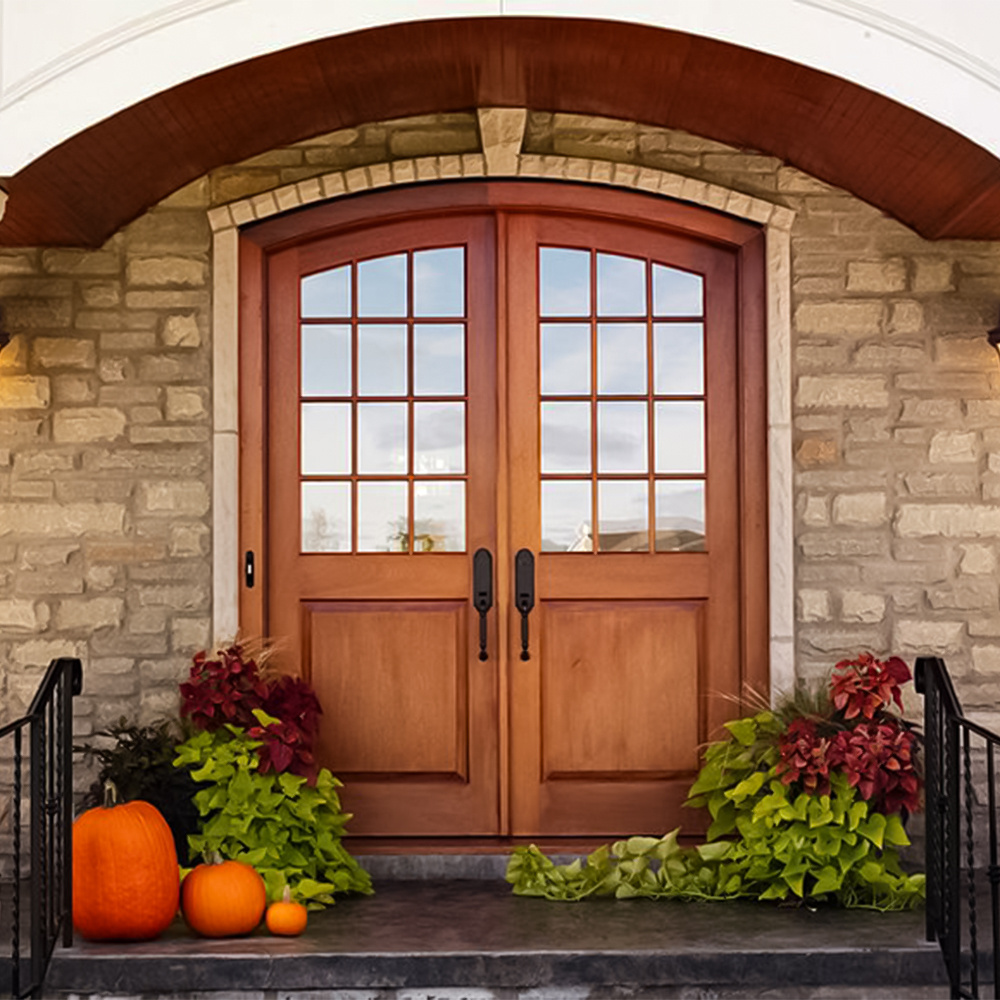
x,y
620,686
392,675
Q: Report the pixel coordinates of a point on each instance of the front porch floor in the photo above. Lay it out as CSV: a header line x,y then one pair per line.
x,y
474,940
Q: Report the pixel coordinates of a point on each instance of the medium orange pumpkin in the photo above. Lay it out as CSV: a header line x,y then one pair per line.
x,y
285,917
125,876
223,899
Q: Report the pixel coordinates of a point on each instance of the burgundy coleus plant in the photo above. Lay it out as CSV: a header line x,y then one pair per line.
x,y
867,686
221,690
804,757
878,759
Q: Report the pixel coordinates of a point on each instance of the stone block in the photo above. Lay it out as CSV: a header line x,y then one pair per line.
x,y
177,598
824,356
164,435
158,703
906,316
954,447
860,509
130,395
861,606
169,231
51,581
816,513
32,490
167,270
187,540
876,276
128,340
829,545
964,595
171,368
90,613
73,390
846,391
57,520
101,294
937,412
951,520
960,385
101,578
166,299
839,319
870,356
185,403
978,559
174,498
941,484
813,605
24,392
229,184
21,615
39,556
147,621
37,314
868,430
85,424
63,352
130,552
933,274
814,452
844,641
38,653
80,263
188,635
193,195
928,638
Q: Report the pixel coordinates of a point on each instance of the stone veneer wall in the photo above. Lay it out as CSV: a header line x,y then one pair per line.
x,y
105,422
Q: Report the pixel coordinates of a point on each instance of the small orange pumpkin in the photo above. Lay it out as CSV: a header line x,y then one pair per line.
x,y
125,877
286,917
223,899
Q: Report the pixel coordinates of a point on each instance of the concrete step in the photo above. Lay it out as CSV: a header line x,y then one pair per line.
x,y
474,940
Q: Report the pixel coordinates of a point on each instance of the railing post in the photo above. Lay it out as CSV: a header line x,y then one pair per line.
x,y
72,684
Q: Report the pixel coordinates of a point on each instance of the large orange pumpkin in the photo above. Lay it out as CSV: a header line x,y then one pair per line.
x,y
224,899
125,876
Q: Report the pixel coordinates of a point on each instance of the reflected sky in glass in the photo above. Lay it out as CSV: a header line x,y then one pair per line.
x,y
565,437
439,282
621,437
621,358
439,359
564,281
382,286
381,360
623,515
565,357
326,439
327,294
677,293
680,516
326,360
679,359
439,517
567,521
621,285
326,517
438,438
382,516
382,438
680,436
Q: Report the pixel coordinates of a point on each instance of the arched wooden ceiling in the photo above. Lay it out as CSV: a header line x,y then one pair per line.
x,y
923,173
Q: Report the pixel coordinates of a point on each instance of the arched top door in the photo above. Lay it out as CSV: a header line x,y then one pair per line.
x,y
565,390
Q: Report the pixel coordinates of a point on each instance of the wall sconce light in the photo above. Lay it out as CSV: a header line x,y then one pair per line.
x,y
4,333
993,336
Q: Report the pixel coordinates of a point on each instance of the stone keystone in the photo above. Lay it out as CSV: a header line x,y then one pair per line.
x,y
502,134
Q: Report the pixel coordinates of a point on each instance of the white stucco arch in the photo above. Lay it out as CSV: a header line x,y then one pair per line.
x,y
65,66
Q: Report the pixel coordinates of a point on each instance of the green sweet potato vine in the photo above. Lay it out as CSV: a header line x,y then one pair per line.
x,y
793,818
285,827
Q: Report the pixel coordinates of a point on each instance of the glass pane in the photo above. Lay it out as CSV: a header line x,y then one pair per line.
x,y
567,521
438,438
326,361
621,286
439,517
679,355
680,516
382,286
381,360
676,293
382,438
565,437
439,282
680,437
565,359
326,517
621,437
623,515
621,358
564,281
383,521
327,294
439,359
326,439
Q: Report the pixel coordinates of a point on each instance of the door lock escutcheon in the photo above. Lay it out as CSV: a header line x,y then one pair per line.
x,y
482,594
524,593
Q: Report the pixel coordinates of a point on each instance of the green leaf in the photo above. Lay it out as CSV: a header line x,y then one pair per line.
x,y
744,730
895,832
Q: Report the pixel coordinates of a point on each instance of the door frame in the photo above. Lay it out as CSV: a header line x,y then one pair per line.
x,y
744,239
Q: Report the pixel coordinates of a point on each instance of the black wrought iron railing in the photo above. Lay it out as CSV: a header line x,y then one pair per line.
x,y
963,876
39,890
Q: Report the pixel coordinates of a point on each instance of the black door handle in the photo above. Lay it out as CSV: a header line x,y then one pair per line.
x,y
524,593
482,593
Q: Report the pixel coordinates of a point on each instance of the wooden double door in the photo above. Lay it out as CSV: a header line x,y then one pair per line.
x,y
510,512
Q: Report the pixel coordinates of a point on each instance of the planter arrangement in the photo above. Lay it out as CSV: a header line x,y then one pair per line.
x,y
236,779
807,802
